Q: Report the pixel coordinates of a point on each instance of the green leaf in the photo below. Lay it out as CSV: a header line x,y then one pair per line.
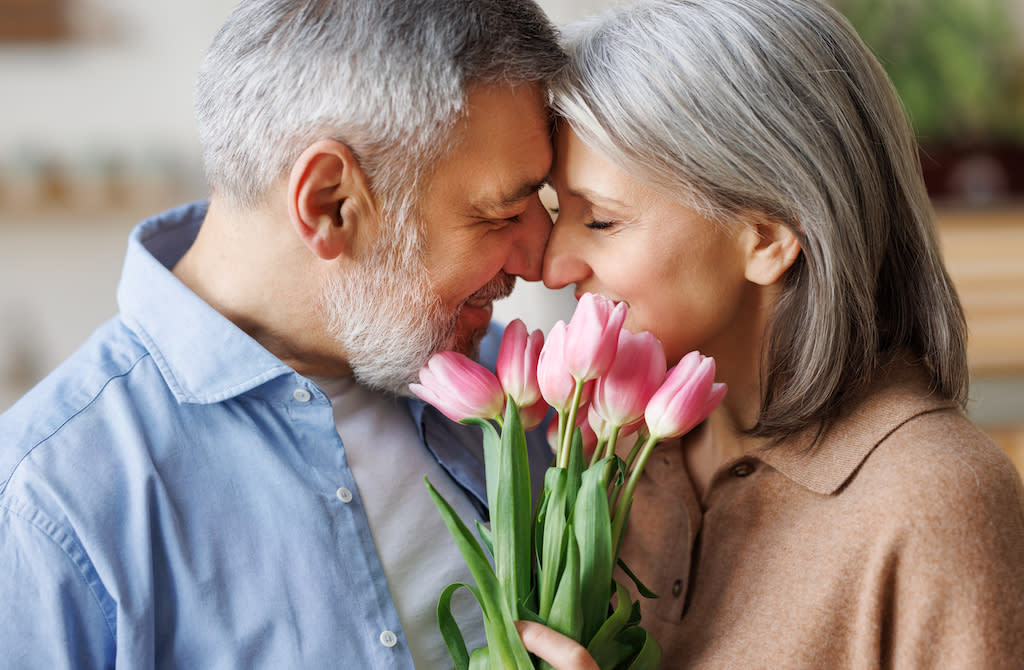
x,y
450,628
649,657
566,613
592,526
612,626
614,653
492,445
480,659
644,591
510,518
575,466
506,647
485,537
551,549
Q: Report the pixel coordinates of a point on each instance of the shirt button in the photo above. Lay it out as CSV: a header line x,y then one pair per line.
x,y
677,588
388,639
344,495
302,395
742,470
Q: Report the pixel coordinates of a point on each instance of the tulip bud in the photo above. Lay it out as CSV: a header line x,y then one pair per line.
x,y
556,384
622,393
593,335
517,363
687,397
460,387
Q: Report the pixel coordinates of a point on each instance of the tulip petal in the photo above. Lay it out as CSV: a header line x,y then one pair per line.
x,y
460,387
592,336
556,384
683,400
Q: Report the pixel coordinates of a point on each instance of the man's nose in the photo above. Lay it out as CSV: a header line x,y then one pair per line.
x,y
526,257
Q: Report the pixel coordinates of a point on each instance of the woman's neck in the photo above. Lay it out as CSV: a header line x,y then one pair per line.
x,y
716,442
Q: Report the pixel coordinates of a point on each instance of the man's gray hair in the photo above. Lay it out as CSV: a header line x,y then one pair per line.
x,y
777,107
387,77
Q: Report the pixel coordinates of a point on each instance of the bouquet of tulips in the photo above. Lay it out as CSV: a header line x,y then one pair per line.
x,y
554,564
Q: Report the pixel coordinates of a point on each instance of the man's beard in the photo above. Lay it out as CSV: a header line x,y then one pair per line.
x,y
389,320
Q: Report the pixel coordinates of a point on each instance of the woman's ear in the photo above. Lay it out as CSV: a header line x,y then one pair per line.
x,y
329,199
771,248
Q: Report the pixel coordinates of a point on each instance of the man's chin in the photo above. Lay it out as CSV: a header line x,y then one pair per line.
x,y
466,337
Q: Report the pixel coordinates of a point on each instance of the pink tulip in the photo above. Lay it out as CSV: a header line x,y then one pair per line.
x,y
556,384
460,387
517,363
622,393
592,336
603,429
552,435
687,397
532,415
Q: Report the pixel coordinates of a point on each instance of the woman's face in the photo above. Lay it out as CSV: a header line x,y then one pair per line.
x,y
681,275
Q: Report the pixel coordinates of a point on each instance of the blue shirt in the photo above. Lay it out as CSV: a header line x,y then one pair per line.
x,y
169,497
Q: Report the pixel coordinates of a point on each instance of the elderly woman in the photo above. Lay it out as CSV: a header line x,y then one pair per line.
x,y
741,173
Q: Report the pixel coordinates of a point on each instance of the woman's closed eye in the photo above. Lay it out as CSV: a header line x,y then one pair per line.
x,y
600,225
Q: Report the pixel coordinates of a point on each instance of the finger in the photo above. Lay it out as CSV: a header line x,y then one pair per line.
x,y
562,652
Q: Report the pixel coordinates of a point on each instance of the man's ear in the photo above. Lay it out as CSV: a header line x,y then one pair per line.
x,y
329,198
771,248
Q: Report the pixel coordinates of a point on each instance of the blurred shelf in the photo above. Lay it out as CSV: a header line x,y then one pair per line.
x,y
984,252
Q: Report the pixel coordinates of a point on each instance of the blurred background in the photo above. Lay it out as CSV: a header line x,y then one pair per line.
x,y
96,133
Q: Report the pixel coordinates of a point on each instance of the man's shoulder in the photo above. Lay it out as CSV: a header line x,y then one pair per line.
x,y
71,399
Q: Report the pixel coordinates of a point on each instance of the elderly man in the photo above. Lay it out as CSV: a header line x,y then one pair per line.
x,y
224,475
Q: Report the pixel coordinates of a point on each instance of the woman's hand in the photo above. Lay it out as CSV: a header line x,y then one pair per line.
x,y
562,652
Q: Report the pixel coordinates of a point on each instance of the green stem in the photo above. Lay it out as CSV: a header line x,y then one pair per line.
x,y
598,451
570,426
633,452
609,449
621,509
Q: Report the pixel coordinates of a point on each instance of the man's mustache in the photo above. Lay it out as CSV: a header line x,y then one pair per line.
x,y
496,289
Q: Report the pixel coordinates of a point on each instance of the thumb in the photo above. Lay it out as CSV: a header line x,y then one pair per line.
x,y
562,652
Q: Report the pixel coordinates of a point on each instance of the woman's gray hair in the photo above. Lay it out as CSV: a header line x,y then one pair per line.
x,y
387,77
778,107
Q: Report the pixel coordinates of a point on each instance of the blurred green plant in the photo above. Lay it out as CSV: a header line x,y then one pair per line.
x,y
958,65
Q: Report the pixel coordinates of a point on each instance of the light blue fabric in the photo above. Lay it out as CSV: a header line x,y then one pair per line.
x,y
168,497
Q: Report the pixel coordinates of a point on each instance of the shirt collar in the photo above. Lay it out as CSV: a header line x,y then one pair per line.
x,y
203,356
824,461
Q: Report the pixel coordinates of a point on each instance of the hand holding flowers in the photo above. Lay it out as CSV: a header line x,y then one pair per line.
x,y
554,565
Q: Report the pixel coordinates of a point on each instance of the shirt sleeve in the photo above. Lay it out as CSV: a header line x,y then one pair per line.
x,y
51,615
958,577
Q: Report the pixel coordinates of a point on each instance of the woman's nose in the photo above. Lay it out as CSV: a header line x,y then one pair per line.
x,y
563,263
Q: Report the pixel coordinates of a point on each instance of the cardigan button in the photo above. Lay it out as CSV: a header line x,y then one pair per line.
x,y
742,470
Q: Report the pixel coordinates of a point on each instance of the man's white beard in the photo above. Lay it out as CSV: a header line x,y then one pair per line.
x,y
387,318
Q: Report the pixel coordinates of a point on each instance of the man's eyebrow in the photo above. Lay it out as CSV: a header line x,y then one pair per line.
x,y
524,191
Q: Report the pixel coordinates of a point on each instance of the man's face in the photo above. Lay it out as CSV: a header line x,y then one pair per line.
x,y
483,224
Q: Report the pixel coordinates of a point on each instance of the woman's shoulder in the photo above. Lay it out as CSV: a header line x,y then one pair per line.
x,y
941,468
